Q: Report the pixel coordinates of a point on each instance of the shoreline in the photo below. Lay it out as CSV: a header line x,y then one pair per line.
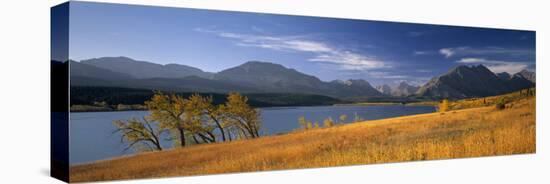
x,y
109,109
297,130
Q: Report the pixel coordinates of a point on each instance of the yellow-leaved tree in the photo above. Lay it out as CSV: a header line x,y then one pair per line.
x,y
239,114
444,105
168,110
194,117
343,118
140,134
206,117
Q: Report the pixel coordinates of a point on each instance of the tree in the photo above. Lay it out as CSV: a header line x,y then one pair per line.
x,y
328,122
357,118
202,117
139,133
239,114
213,112
444,105
195,118
303,122
168,110
343,118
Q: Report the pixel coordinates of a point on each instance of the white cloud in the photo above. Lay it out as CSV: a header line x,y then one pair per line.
x,y
474,60
323,52
446,52
422,52
449,52
349,61
307,46
477,51
497,66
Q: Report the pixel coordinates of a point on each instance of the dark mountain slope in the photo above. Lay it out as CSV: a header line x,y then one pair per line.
x,y
470,81
89,71
143,69
277,78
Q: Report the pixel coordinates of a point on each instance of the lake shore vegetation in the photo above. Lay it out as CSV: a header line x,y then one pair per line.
x,y
192,120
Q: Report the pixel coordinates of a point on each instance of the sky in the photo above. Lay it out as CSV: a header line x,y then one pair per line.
x,y
328,48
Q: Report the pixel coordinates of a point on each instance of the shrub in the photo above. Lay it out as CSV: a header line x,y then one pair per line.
x,y
501,104
309,125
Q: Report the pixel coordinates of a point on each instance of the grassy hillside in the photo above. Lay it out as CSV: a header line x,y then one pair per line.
x,y
472,132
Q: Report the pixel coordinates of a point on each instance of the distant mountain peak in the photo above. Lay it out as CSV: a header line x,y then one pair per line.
x,y
354,82
264,65
145,69
470,81
525,71
504,75
344,82
404,84
529,75
111,58
123,57
470,68
361,82
404,89
257,62
384,89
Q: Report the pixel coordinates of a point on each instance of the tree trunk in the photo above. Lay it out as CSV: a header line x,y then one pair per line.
x,y
182,137
229,135
251,131
205,138
157,144
220,127
212,136
195,139
255,130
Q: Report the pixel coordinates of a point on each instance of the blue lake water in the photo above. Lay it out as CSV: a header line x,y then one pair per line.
x,y
92,138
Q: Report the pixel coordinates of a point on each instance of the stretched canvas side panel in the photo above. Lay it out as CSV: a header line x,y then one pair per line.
x,y
59,153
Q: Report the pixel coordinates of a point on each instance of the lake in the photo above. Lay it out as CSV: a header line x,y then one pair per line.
x,y
92,138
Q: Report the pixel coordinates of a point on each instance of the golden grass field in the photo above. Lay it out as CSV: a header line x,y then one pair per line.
x,y
471,132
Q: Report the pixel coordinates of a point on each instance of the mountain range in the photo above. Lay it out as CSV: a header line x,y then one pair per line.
x,y
473,81
144,70
250,77
265,77
402,90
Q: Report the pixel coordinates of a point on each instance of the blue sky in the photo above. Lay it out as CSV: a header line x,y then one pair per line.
x,y
379,52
